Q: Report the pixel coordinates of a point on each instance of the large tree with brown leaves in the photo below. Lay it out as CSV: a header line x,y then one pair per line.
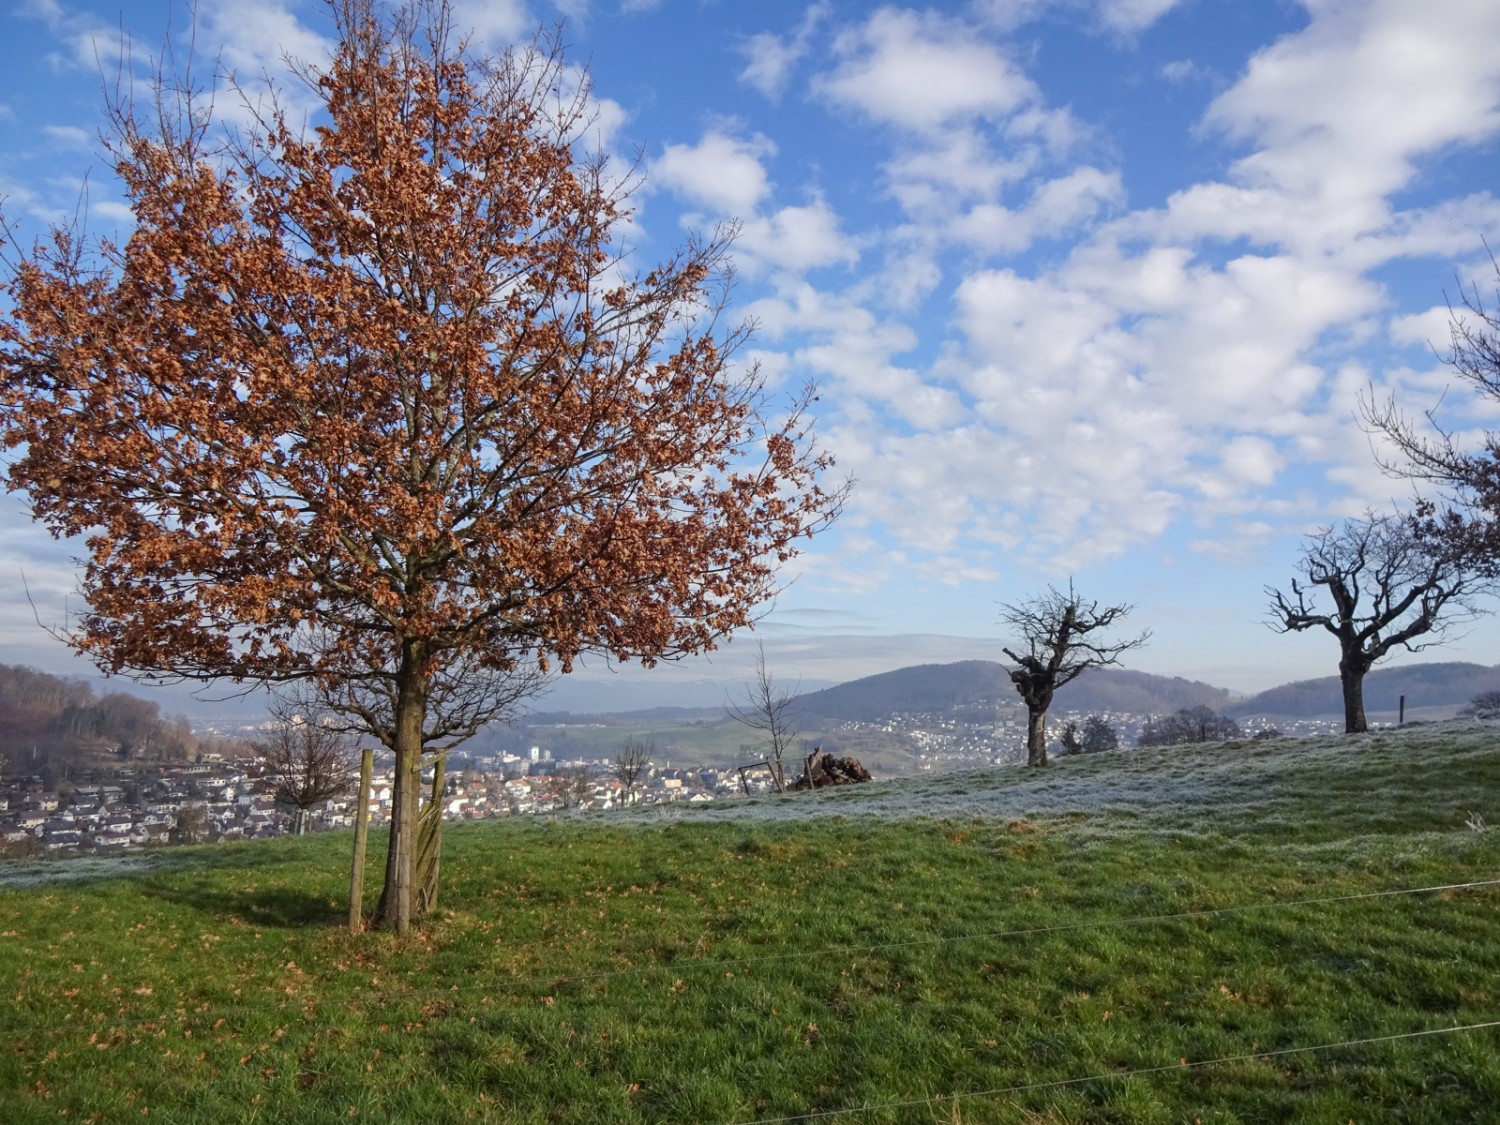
x,y
377,405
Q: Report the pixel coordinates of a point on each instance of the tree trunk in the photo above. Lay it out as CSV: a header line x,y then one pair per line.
x,y
429,844
1036,737
1352,679
361,833
395,908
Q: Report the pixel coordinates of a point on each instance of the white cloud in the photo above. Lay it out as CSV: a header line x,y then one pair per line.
x,y
255,37
908,276
1133,15
1340,109
88,43
1181,70
69,136
922,71
721,172
1251,460
1122,16
1056,206
117,213
770,59
496,24
1240,541
1427,329
954,167
796,239
1105,396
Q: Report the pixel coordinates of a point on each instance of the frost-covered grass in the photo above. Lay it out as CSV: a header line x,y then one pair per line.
x,y
86,869
1240,785
876,949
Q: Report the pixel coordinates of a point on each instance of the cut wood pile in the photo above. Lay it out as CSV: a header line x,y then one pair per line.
x,y
822,770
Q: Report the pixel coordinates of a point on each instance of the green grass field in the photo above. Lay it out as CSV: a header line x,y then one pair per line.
x,y
1081,944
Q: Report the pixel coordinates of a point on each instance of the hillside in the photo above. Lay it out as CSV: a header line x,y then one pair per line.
x,y
977,685
1449,684
47,722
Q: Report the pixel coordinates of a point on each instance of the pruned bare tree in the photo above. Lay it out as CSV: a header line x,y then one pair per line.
x,y
304,759
1061,638
771,711
1391,587
632,761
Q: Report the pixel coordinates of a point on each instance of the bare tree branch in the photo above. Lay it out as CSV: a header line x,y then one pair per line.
x,y
1467,514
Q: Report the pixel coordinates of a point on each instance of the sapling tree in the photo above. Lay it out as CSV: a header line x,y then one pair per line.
x,y
630,763
305,761
772,711
573,787
378,405
1069,739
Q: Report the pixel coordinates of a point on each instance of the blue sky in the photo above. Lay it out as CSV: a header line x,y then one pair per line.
x,y
1091,286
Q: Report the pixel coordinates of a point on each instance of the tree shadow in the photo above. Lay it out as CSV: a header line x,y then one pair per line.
x,y
278,907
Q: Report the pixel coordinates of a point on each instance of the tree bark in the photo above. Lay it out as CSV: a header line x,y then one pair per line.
x,y
429,844
395,908
1352,679
1036,737
361,834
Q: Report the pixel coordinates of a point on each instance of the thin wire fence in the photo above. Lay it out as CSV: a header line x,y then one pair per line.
x,y
1113,1076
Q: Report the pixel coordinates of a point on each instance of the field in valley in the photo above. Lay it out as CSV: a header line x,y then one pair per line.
x,y
1269,931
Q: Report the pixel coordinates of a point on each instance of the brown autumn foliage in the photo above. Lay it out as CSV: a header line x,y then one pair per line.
x,y
378,403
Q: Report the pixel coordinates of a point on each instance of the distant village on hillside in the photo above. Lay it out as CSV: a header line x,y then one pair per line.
x,y
119,804
87,774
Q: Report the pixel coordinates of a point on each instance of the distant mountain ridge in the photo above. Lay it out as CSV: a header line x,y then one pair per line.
x,y
972,685
975,686
1444,684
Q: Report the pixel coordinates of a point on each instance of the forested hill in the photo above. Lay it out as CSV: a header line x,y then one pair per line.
x,y
977,685
44,717
1424,685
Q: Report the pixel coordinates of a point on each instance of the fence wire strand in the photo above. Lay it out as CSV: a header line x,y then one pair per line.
x,y
1113,1076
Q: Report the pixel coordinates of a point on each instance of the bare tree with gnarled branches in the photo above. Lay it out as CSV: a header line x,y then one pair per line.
x,y
1390,587
1061,638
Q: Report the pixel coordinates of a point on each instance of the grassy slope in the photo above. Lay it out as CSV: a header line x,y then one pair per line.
x,y
858,949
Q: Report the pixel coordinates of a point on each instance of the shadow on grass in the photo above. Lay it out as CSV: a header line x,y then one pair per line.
x,y
281,907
